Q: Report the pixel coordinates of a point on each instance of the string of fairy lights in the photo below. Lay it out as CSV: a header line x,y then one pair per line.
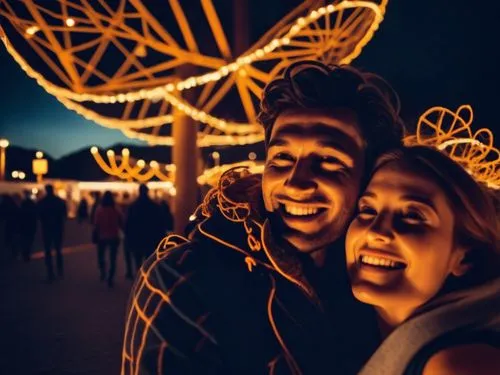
x,y
123,167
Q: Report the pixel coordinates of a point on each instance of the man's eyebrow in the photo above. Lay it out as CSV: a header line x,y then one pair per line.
x,y
368,194
278,142
338,148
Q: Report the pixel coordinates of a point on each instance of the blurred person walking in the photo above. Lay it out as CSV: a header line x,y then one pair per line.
x,y
95,204
108,221
9,212
82,213
27,225
145,226
124,206
53,213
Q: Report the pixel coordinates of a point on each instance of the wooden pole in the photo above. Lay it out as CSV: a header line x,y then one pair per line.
x,y
185,155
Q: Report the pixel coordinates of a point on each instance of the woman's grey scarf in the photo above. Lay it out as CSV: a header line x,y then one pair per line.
x,y
476,309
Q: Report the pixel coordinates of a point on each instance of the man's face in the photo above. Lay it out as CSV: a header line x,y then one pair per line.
x,y
314,165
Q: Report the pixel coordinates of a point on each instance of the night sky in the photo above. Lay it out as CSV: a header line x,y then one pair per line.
x,y
441,55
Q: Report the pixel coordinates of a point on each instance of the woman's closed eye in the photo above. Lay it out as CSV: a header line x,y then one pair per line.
x,y
283,159
366,212
413,217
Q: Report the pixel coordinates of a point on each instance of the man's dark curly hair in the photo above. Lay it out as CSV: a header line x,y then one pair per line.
x,y
311,84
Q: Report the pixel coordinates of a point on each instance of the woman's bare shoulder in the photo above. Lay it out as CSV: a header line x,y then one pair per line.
x,y
472,359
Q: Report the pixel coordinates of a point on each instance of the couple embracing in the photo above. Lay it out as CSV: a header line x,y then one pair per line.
x,y
350,254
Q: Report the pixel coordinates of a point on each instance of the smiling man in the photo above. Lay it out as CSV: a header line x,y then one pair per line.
x,y
259,286
313,172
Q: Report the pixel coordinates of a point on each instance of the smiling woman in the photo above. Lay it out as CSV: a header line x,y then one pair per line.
x,y
423,250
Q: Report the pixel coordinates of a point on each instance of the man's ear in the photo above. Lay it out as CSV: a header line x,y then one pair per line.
x,y
459,264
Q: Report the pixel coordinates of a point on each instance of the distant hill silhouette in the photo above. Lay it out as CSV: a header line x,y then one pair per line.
x,y
80,165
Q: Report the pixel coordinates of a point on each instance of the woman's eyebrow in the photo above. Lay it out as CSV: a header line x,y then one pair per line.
x,y
420,199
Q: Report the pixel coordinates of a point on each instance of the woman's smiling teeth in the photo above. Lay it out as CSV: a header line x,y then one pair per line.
x,y
300,210
380,262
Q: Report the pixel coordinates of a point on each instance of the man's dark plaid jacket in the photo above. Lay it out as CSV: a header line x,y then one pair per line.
x,y
230,301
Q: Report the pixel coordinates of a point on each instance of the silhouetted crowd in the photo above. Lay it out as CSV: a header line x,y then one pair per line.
x,y
137,224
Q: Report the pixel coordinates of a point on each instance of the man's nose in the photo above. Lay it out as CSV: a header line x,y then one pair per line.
x,y
380,230
301,180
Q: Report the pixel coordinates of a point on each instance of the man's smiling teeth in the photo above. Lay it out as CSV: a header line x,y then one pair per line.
x,y
300,211
380,262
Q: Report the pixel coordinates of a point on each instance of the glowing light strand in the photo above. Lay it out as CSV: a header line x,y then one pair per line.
x,y
451,133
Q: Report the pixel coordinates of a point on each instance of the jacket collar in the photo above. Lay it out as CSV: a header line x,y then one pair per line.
x,y
250,233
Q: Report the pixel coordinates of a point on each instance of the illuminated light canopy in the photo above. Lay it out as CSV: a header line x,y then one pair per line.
x,y
4,143
334,33
451,133
39,154
15,174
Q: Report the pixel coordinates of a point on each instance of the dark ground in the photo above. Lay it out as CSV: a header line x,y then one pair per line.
x,y
72,326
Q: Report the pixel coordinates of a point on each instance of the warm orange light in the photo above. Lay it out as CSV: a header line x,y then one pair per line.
x,y
30,31
39,154
4,143
40,166
70,22
15,174
22,175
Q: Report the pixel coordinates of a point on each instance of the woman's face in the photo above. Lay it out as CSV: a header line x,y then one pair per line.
x,y
400,245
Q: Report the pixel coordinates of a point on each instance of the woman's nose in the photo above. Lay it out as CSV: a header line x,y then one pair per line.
x,y
380,230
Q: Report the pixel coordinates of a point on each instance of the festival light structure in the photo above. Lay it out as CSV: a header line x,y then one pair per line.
x,y
126,168
139,67
116,64
450,131
123,167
